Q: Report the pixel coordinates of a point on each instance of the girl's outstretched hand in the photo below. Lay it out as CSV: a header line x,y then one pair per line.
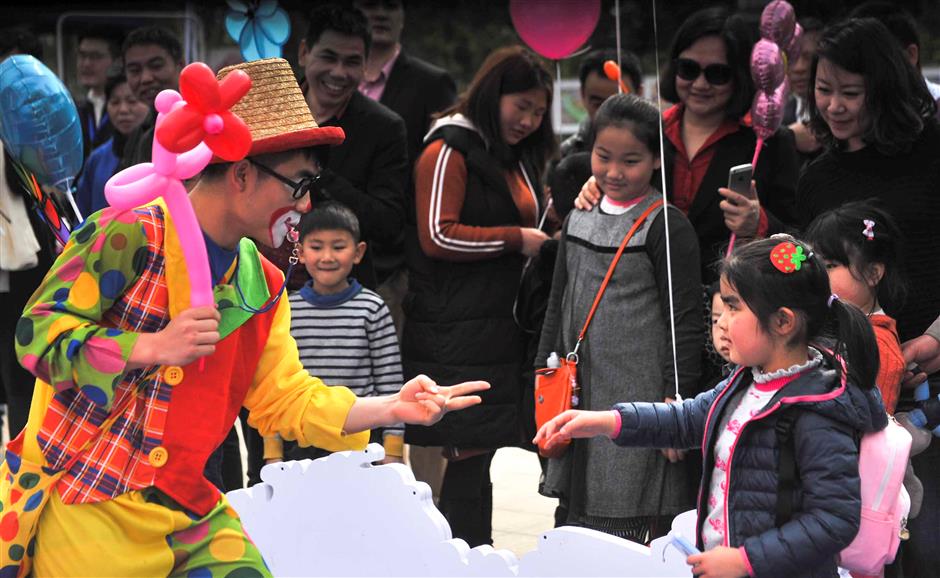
x,y
421,401
576,423
719,562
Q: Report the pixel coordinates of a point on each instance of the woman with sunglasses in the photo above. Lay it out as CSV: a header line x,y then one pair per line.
x,y
478,210
706,133
708,76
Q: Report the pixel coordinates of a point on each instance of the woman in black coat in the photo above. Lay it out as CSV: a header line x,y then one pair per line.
x,y
873,113
478,207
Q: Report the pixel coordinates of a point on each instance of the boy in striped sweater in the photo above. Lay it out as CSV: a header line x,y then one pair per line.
x,y
344,332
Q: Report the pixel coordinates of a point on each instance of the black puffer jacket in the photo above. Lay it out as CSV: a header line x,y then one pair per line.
x,y
459,315
828,420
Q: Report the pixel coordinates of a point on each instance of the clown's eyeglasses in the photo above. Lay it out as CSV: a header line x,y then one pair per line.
x,y
299,188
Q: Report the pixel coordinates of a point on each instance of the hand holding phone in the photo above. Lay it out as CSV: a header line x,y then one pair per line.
x,y
739,179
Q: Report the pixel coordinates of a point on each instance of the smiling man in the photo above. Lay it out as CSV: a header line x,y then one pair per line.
x,y
136,388
153,59
368,171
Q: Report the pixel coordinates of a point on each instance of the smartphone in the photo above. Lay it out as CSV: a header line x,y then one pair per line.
x,y
683,545
739,179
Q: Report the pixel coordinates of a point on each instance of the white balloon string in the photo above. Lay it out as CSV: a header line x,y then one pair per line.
x,y
662,172
619,48
67,186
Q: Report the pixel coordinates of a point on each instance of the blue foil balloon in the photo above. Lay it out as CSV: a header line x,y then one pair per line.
x,y
39,123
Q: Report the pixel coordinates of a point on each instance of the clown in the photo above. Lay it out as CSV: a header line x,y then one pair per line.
x,y
135,388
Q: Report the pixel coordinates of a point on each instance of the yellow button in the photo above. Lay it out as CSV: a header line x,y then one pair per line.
x,y
173,375
158,457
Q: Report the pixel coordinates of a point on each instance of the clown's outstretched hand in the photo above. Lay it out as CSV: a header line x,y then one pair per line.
x,y
420,401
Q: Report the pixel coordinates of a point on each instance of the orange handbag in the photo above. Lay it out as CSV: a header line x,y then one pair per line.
x,y
556,388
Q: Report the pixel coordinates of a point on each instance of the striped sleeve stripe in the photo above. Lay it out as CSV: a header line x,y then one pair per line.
x,y
434,215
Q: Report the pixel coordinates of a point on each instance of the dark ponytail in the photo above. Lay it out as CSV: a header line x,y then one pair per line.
x,y
854,338
835,327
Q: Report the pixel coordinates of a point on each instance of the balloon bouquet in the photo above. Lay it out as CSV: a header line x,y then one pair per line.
x,y
779,45
40,129
190,128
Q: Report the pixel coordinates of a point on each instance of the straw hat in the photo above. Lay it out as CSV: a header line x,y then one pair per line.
x,y
275,110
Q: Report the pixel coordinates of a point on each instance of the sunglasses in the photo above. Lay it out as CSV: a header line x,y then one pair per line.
x,y
299,188
715,74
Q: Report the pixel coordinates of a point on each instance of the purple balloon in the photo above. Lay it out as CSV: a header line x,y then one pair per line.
x,y
777,22
766,66
795,48
767,111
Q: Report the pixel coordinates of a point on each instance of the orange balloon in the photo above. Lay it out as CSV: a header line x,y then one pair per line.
x,y
613,72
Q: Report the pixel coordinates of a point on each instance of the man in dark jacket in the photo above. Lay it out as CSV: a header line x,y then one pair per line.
x,y
412,87
416,90
368,171
98,51
153,59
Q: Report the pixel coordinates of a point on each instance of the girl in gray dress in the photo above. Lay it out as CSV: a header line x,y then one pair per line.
x,y
627,353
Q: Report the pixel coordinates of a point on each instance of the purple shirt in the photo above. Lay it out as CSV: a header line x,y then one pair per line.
x,y
375,88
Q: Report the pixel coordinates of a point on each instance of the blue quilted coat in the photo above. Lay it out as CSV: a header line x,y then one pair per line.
x,y
829,419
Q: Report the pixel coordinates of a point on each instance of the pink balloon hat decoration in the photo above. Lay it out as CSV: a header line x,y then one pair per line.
x,y
163,177
205,115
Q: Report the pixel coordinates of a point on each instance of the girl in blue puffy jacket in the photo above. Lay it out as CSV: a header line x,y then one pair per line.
x,y
781,325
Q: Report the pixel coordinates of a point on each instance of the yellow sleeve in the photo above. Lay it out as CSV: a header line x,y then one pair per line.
x,y
286,400
394,445
273,447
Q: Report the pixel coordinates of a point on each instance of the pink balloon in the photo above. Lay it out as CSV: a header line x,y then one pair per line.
x,y
766,65
777,22
554,28
767,111
144,182
795,48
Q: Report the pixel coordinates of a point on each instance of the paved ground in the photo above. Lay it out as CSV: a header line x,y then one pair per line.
x,y
520,513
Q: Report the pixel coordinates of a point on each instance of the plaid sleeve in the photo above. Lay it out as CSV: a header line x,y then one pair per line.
x,y
59,338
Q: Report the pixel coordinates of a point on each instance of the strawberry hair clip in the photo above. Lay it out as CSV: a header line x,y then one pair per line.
x,y
788,257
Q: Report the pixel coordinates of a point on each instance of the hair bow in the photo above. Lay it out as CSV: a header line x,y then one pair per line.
x,y
869,230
